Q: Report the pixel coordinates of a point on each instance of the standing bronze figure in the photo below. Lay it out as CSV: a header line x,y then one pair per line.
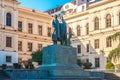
x,y
59,31
56,30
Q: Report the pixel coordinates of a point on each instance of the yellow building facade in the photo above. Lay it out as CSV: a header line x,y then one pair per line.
x,y
91,28
22,31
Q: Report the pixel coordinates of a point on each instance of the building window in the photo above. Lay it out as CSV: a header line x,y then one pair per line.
x,y
40,30
29,46
87,60
96,23
8,19
8,41
30,28
96,43
83,7
108,20
20,26
78,30
79,48
108,42
19,45
49,31
97,62
8,59
87,29
119,18
40,47
87,48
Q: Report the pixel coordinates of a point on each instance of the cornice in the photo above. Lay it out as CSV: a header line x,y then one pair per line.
x,y
103,2
12,1
92,6
34,37
76,15
33,12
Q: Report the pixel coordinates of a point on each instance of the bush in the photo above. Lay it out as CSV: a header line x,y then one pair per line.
x,y
17,66
31,66
79,62
87,65
110,65
37,57
4,66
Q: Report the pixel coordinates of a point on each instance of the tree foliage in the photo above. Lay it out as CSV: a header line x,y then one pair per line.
x,y
115,36
110,65
37,56
87,65
115,53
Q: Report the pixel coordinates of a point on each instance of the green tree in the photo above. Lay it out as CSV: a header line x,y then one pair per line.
x,y
87,65
110,65
37,57
115,53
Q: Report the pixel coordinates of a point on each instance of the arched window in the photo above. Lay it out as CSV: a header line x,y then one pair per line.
x,y
108,20
8,19
87,29
96,23
78,30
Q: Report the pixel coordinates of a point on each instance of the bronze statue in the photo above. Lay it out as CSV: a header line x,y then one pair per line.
x,y
59,31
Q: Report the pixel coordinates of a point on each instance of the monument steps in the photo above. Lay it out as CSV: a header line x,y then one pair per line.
x,y
3,75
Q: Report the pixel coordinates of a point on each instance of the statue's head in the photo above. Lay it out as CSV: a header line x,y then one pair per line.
x,y
55,16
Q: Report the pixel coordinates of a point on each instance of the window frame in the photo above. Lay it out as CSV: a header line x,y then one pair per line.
x,y
87,29
96,43
20,24
8,59
8,41
49,32
108,42
8,19
19,45
30,47
78,30
78,49
96,23
108,21
30,28
40,30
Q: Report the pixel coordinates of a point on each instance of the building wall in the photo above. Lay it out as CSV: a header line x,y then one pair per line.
x,y
7,6
25,15
35,18
100,10
14,57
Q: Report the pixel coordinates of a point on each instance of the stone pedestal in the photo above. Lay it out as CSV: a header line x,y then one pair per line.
x,y
60,61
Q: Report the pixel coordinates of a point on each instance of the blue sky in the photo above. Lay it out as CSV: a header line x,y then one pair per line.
x,y
42,5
